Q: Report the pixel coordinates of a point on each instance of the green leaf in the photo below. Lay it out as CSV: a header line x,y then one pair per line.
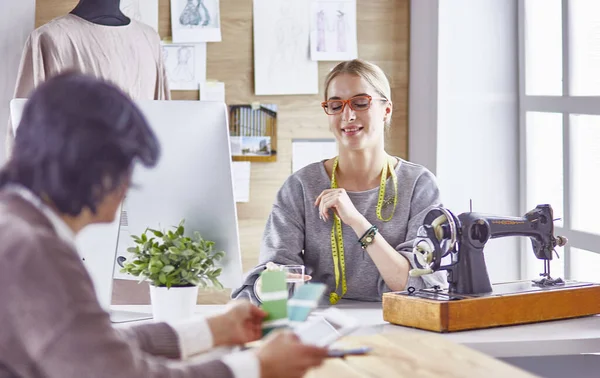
x,y
155,269
169,258
216,283
168,268
157,233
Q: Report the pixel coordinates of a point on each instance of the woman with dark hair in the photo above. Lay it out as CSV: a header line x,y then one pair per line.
x,y
76,146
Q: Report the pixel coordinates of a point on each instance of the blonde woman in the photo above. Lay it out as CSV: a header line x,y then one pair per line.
x,y
351,220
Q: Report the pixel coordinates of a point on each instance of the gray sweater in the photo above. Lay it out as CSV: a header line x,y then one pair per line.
x,y
294,234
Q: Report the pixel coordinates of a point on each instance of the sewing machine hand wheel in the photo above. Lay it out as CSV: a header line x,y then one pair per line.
x,y
436,239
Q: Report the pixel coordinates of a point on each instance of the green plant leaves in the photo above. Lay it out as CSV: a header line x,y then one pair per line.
x,y
168,268
167,258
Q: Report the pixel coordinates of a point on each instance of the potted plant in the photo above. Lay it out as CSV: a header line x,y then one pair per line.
x,y
175,265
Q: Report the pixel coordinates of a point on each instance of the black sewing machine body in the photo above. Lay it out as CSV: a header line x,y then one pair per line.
x,y
464,237
470,301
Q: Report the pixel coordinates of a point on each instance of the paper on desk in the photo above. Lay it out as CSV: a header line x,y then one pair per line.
x,y
307,151
212,91
241,180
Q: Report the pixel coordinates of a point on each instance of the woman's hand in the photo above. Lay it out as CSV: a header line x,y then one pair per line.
x,y
338,201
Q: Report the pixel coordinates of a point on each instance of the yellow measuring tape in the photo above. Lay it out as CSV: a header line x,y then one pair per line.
x,y
337,239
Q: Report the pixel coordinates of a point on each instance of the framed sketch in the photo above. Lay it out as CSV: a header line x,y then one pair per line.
x,y
185,64
195,21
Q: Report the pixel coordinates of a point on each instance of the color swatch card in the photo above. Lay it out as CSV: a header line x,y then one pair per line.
x,y
305,299
274,297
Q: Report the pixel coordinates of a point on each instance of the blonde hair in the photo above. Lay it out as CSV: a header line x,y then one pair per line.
x,y
367,70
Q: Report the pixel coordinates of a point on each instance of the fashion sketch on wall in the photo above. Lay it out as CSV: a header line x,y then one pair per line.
x,y
282,63
145,11
333,30
195,21
185,65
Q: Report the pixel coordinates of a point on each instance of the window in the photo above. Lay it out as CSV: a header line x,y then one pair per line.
x,y
543,28
559,74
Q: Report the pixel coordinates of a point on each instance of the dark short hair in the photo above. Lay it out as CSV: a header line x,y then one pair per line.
x,y
77,141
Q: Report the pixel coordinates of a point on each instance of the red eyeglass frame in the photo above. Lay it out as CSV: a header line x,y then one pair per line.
x,y
348,101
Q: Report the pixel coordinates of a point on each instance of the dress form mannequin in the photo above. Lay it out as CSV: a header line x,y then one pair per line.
x,y
103,12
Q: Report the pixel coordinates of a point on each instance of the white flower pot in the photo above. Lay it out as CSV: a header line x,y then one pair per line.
x,y
174,304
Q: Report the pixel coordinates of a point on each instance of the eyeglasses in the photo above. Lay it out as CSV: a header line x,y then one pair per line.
x,y
357,103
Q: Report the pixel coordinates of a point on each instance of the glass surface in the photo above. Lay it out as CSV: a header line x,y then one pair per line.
x,y
294,277
544,161
543,47
585,173
584,47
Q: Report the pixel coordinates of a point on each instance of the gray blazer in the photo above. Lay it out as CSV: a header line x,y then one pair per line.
x,y
52,324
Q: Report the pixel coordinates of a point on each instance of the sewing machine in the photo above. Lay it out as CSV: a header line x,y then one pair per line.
x,y
470,301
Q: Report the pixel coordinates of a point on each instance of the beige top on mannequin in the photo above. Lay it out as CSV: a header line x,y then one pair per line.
x,y
128,56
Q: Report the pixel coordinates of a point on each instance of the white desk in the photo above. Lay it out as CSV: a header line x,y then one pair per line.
x,y
564,337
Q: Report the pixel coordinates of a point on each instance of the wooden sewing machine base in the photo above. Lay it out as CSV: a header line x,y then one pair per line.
x,y
510,303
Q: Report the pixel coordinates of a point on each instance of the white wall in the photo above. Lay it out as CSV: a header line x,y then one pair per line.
x,y
476,130
17,20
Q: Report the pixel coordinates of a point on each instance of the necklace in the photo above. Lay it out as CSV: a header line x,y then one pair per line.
x,y
337,239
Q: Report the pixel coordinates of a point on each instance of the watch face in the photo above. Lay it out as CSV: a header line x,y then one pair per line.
x,y
369,239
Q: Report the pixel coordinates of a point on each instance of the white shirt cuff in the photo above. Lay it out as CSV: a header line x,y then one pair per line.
x,y
243,364
194,336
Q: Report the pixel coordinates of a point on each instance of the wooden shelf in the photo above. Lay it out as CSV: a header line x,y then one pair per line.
x,y
256,159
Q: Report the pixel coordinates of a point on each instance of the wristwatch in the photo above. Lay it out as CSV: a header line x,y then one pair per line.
x,y
368,237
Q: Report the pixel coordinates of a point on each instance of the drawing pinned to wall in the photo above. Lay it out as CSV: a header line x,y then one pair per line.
x,y
333,30
185,65
195,21
145,11
282,63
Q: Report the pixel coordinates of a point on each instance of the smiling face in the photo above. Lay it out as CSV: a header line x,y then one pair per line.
x,y
357,129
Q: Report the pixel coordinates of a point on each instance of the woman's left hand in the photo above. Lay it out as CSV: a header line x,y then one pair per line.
x,y
338,201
